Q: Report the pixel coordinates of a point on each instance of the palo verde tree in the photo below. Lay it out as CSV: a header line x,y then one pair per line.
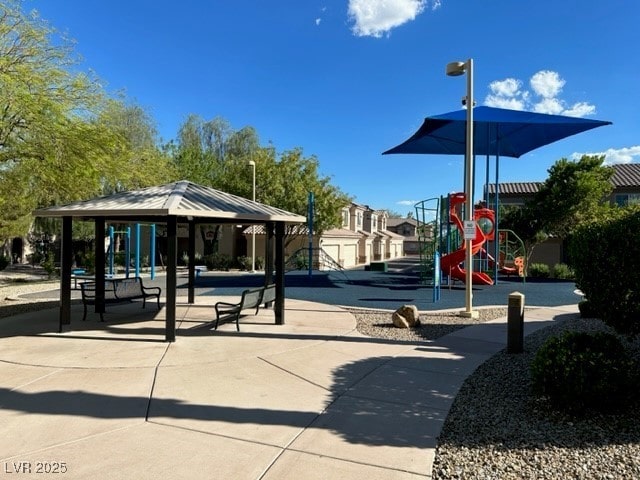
x,y
575,192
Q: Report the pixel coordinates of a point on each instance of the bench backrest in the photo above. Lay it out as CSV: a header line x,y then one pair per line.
x,y
251,298
88,290
269,294
127,287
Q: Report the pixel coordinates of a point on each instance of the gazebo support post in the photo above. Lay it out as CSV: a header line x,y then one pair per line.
x,y
65,272
172,260
100,258
192,260
268,252
278,308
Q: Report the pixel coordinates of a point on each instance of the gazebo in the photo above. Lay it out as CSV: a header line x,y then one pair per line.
x,y
176,203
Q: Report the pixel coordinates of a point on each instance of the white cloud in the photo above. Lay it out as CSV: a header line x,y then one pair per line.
x,y
615,155
504,102
549,105
375,18
509,87
318,20
580,109
546,85
410,203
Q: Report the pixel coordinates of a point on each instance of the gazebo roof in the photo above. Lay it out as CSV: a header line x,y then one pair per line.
x,y
182,199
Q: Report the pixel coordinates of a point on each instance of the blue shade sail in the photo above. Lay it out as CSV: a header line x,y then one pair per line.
x,y
497,132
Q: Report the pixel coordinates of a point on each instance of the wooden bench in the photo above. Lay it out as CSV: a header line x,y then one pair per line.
x,y
118,290
250,299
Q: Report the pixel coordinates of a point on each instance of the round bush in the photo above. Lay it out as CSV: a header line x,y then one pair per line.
x,y
539,270
562,271
579,371
588,309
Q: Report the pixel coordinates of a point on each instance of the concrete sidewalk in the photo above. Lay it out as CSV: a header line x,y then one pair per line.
x,y
311,399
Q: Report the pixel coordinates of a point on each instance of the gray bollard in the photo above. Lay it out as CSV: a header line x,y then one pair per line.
x,y
515,323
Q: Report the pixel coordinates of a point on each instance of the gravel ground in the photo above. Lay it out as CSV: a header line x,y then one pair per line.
x,y
12,287
496,430
376,323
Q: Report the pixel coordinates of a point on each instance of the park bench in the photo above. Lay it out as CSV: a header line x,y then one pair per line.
x,y
118,290
250,299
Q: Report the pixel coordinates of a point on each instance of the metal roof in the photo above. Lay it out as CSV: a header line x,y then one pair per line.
x,y
515,188
624,175
183,199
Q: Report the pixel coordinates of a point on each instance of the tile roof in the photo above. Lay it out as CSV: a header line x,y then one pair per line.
x,y
394,222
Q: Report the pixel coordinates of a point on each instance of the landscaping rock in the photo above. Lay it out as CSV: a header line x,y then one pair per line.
x,y
406,316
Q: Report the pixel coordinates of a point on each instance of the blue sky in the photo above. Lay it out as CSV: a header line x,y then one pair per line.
x,y
347,79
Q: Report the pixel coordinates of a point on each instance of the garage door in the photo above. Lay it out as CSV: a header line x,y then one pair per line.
x,y
333,251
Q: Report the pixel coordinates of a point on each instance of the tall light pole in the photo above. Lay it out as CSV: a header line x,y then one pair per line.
x,y
455,69
252,164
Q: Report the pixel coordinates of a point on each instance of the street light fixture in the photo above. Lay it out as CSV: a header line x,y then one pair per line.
x,y
252,164
455,69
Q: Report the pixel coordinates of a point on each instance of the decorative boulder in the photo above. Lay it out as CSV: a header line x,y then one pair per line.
x,y
406,316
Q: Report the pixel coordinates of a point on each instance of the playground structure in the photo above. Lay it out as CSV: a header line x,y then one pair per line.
x,y
442,248
111,250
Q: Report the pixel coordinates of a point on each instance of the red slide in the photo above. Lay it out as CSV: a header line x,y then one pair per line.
x,y
450,264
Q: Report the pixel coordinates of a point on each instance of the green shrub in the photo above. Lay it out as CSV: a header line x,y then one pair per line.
x,y
218,261
588,309
299,262
88,260
4,262
605,256
49,265
119,259
562,271
579,371
244,262
539,270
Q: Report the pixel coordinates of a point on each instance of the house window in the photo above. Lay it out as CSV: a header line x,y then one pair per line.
x,y
345,218
374,222
627,199
359,220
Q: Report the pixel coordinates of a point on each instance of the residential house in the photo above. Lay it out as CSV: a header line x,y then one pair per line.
x,y
407,228
626,191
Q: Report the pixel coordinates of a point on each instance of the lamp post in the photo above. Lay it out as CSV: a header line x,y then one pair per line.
x,y
455,69
252,164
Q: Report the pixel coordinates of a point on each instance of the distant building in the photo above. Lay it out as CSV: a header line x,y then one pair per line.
x,y
407,227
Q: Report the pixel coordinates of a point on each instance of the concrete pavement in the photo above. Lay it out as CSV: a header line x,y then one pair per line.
x,y
311,399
